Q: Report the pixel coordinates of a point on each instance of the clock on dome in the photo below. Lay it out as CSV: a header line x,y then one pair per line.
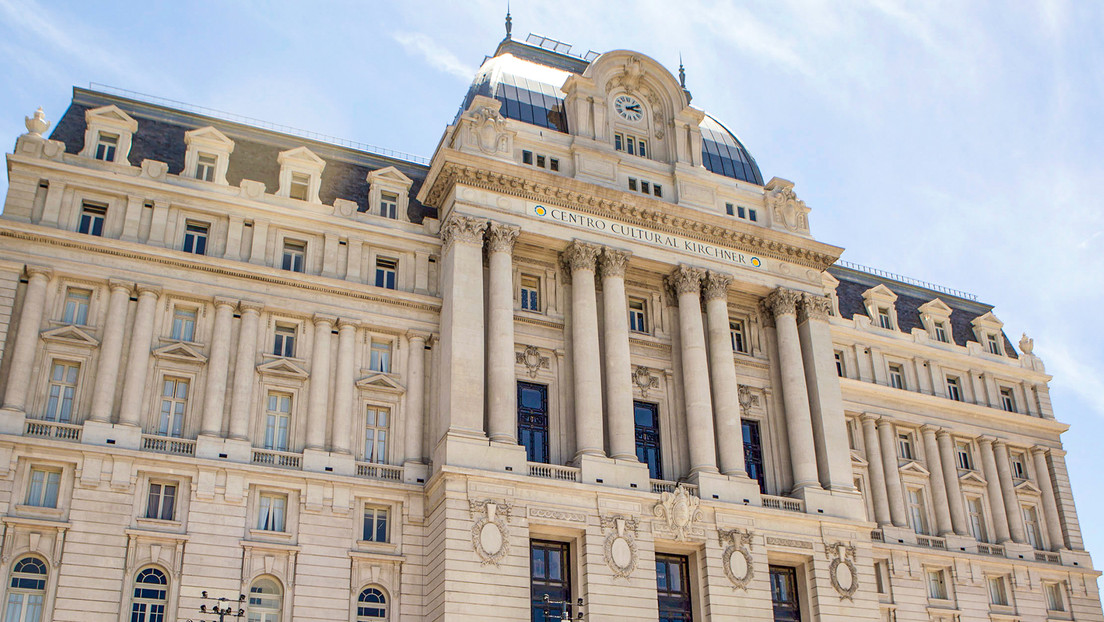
x,y
628,108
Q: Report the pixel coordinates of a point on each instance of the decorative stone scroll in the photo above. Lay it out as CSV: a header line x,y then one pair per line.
x,y
736,559
620,548
680,510
532,360
644,380
490,534
842,571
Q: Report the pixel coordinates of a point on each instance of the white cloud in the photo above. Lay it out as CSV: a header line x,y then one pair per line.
x,y
437,56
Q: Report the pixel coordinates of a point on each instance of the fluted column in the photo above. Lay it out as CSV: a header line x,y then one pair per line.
x,y
993,486
214,400
887,434
781,305
344,410
319,382
1008,491
722,373
876,469
111,352
685,283
825,398
619,397
26,339
938,484
141,336
1050,504
242,395
580,258
501,381
955,502
415,396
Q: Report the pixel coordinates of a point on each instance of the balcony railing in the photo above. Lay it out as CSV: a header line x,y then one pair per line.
x,y
783,503
995,550
932,542
271,457
553,471
53,429
168,445
1048,557
661,486
386,472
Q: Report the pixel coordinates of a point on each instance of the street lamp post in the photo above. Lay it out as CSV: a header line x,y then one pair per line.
x,y
223,608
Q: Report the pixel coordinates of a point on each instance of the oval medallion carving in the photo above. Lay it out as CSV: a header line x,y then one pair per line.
x,y
490,538
621,552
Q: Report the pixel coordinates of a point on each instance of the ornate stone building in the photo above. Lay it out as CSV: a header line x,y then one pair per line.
x,y
583,355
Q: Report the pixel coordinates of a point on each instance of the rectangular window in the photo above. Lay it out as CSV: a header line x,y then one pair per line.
x,y
619,141
881,577
941,332
657,190
1018,462
784,597
295,256
554,164
954,390
92,218
994,345
376,423
277,421
106,144
638,315
183,324
964,456
174,404
632,183
630,144
161,503
76,306
284,341
736,333
998,594
550,581
642,147
375,524
976,512
937,584
195,237
741,211
300,186
205,167
1031,527
540,161
904,446
646,421
918,515
884,320
753,453
840,370
673,587
896,376
43,489
389,205
380,358
1054,599
530,293
532,400
526,157
1008,399
645,187
386,269
61,391
753,216
730,209
272,512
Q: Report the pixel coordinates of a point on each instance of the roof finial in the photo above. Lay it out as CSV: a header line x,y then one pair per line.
x,y
509,21
682,73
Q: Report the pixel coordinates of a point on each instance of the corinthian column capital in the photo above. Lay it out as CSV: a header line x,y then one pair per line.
x,y
716,285
613,262
580,256
814,307
781,301
685,280
501,237
463,230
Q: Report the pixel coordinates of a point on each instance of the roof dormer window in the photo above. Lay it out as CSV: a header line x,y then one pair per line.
x,y
207,156
108,133
988,330
106,146
300,174
993,344
941,332
205,167
389,193
880,302
300,186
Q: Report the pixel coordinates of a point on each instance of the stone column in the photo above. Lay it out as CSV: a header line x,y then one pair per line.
x,y
938,484
993,486
781,304
619,397
141,338
215,398
876,469
344,409
722,373
111,352
461,396
415,396
685,283
1050,504
241,398
825,400
1008,491
950,479
26,339
887,433
580,258
317,408
501,381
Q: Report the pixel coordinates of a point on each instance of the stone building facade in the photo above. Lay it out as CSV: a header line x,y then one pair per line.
x,y
585,352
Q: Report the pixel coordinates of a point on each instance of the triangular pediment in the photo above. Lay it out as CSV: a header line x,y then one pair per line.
x,y
879,292
391,176
1028,487
972,477
282,367
301,154
208,135
380,382
857,458
72,335
987,321
112,115
913,468
180,351
935,306
828,282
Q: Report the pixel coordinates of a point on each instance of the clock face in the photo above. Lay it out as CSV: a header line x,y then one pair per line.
x,y
628,108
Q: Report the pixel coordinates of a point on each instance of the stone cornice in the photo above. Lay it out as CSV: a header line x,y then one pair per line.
x,y
643,212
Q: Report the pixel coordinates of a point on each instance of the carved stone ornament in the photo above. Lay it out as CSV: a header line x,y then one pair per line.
x,y
488,127
620,548
814,307
629,77
679,509
37,124
736,559
786,207
490,535
842,571
685,280
782,301
747,399
463,230
532,359
1027,344
644,380
580,256
501,238
716,285
613,262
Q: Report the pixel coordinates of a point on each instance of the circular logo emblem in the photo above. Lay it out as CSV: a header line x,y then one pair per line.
x,y
755,262
540,210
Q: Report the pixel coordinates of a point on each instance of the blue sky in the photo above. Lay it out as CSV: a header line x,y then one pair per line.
x,y
955,142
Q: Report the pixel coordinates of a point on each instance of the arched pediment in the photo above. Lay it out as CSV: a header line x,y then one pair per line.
x,y
640,75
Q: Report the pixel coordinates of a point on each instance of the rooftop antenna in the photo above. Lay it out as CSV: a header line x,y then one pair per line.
x,y
509,21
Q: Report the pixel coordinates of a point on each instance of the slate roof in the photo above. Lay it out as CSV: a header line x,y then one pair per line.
x,y
160,136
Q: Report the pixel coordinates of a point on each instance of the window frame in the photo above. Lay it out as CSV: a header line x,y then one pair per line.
x,y
386,267
92,218
81,306
381,355
197,237
273,444
1007,396
529,289
737,333
998,598
181,312
938,587
376,510
41,501
146,615
685,593
896,375
267,614
376,408
529,422
1054,592
979,529
561,589
906,445
964,456
49,412
176,500
649,437
954,387
638,317
206,166
917,510
361,603
841,364
106,148
175,427
264,521
280,339
292,250
26,594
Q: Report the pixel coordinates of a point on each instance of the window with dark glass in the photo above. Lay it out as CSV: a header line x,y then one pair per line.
x,y
673,587
284,341
783,583
106,146
1008,400
638,315
195,237
753,453
295,255
954,390
150,596
647,437
76,306
736,333
730,209
994,345
205,167
389,205
375,524
386,269
839,364
884,319
530,293
533,420
896,376
92,219
941,332
161,502
550,580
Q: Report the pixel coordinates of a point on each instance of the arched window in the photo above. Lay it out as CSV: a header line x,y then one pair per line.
x,y
26,591
372,605
265,601
150,594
